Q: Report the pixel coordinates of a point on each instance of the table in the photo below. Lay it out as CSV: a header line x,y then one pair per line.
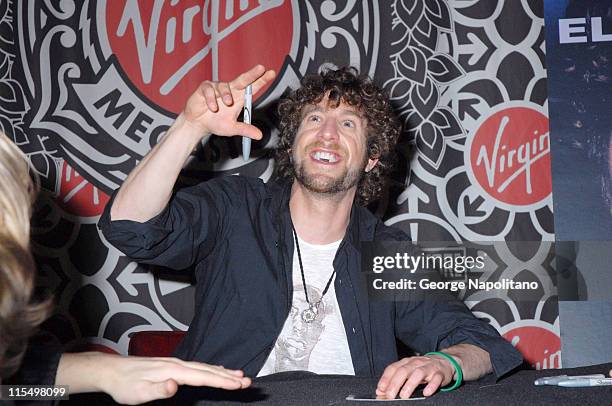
x,y
303,388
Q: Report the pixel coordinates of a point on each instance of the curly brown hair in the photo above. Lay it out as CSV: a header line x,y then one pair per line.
x,y
343,85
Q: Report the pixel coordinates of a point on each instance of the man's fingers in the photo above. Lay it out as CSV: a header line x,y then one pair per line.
x,y
434,384
416,377
210,96
398,380
247,77
406,375
247,130
226,93
387,375
266,78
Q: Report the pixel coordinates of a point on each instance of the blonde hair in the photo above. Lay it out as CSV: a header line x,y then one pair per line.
x,y
19,316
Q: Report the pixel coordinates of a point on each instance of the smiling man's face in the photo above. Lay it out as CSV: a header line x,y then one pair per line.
x,y
330,148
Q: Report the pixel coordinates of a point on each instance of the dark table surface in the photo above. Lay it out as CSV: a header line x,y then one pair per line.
x,y
300,388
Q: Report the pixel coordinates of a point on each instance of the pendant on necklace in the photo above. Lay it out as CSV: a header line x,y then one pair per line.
x,y
310,314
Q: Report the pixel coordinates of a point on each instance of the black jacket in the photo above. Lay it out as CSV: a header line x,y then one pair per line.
x,y
237,232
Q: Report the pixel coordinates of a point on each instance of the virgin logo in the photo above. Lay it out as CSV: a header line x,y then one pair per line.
x,y
166,48
78,196
540,347
510,156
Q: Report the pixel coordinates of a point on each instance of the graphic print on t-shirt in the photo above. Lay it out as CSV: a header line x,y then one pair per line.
x,y
298,338
319,346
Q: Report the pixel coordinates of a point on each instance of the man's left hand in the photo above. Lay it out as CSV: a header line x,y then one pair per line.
x,y
402,377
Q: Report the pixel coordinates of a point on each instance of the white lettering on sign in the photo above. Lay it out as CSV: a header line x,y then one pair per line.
x,y
569,26
516,160
146,37
574,30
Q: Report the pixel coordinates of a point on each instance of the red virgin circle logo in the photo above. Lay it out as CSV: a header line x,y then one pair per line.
x,y
540,347
166,48
77,195
510,156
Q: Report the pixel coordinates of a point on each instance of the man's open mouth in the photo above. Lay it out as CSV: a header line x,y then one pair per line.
x,y
325,157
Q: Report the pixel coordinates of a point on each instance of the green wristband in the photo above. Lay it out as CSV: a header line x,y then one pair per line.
x,y
455,365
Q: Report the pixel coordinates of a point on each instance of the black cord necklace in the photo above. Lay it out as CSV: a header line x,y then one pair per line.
x,y
310,313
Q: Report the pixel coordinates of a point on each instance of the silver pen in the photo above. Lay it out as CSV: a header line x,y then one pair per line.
x,y
246,141
585,382
554,380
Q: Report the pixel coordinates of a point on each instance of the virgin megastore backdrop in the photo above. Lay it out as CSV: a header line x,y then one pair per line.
x,y
88,87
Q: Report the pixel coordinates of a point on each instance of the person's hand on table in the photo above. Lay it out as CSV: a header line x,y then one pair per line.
x,y
134,380
403,377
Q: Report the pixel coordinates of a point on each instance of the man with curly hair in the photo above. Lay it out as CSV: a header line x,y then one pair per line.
x,y
361,96
278,264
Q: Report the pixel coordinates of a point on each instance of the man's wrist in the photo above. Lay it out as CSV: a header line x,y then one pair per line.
x,y
452,371
188,129
458,360
450,368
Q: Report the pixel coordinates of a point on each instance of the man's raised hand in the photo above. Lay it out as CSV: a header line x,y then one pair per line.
x,y
215,106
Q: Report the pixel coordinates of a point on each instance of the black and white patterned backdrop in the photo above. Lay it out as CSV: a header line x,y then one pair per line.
x,y
87,87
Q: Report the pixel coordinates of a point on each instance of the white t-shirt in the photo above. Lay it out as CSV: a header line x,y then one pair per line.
x,y
321,345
